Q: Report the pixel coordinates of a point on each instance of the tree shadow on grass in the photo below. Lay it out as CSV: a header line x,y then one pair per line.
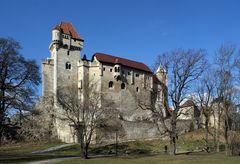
x,y
122,149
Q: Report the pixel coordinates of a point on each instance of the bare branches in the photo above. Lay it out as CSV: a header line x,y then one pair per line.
x,y
83,109
18,79
183,67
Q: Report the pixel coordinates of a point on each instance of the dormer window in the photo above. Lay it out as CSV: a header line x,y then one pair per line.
x,y
68,65
117,69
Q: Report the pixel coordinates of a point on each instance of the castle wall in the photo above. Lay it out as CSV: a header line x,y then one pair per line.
x,y
130,86
67,77
47,77
135,122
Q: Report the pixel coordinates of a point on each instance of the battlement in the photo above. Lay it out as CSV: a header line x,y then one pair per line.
x,y
47,61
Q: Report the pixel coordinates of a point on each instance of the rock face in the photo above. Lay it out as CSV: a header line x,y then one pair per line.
x,y
124,82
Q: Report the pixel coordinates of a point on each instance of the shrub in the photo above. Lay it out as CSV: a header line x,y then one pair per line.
x,y
234,143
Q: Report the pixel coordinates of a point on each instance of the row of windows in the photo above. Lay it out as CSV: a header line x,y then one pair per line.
x,y
110,85
68,66
65,36
117,69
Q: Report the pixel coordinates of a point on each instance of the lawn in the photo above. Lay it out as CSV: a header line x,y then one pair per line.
x,y
200,158
140,151
22,148
21,152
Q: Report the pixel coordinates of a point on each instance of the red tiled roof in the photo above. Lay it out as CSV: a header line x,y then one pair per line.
x,y
68,28
155,79
188,103
125,62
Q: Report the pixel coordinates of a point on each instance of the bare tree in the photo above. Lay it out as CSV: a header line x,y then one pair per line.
x,y
225,64
205,94
183,67
18,80
84,111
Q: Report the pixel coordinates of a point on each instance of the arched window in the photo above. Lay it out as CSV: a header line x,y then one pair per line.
x,y
137,89
122,86
118,78
110,84
68,65
115,69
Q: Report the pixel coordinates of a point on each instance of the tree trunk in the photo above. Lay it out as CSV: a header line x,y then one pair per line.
x,y
215,132
116,143
86,151
206,135
1,132
172,145
2,111
173,138
80,140
1,126
218,133
226,137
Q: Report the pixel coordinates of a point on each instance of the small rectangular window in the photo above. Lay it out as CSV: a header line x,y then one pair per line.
x,y
103,68
137,75
110,69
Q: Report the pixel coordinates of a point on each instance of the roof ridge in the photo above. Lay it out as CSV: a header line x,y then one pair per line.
x,y
102,57
69,29
119,57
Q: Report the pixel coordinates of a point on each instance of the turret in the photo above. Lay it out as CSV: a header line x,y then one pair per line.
x,y
65,36
161,74
162,92
117,70
56,36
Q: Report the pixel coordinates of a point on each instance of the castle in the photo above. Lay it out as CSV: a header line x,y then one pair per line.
x,y
118,80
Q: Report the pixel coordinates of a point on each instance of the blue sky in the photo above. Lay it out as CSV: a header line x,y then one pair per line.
x,y
133,29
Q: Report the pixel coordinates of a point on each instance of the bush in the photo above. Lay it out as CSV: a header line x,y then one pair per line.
x,y
191,127
234,143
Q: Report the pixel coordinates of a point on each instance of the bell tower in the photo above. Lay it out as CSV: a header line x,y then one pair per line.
x,y
65,49
162,76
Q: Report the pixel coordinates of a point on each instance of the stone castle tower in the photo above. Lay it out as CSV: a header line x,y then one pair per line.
x,y
117,79
61,69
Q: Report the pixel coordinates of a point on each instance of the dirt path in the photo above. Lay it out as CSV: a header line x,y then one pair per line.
x,y
51,149
51,160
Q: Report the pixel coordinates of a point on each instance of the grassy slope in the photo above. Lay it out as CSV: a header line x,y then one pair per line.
x,y
162,159
189,141
20,152
27,147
